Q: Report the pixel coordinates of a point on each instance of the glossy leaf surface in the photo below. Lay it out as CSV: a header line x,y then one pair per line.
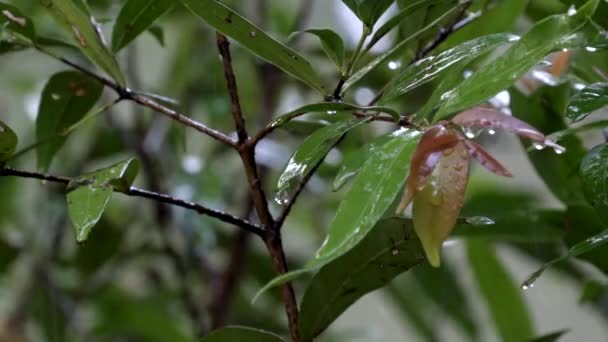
x,y
87,34
430,68
503,298
369,11
66,98
89,194
372,192
310,154
8,142
553,33
230,23
241,334
437,206
389,249
588,100
594,174
135,17
332,44
13,20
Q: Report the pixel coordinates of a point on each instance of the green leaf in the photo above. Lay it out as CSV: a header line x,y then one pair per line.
x,y
241,334
559,135
332,44
353,163
8,142
66,98
310,154
230,23
588,100
89,194
87,34
553,33
552,337
499,18
369,11
403,16
13,20
135,17
432,67
395,50
329,108
388,250
505,303
158,33
594,174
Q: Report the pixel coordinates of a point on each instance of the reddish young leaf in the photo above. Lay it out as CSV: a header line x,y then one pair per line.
x,y
434,142
485,158
490,118
437,206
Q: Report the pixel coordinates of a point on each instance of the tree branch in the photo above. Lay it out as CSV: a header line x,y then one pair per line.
x,y
135,192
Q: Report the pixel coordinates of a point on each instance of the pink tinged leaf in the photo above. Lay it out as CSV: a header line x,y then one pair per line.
x,y
485,159
438,204
434,141
490,118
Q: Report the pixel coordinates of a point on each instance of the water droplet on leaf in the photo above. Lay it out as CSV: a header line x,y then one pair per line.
x,y
480,221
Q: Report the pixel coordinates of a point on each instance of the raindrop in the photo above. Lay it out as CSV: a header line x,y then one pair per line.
x,y
331,112
437,197
79,36
478,221
532,278
538,146
395,251
394,65
253,34
471,133
491,132
591,49
572,10
282,197
56,97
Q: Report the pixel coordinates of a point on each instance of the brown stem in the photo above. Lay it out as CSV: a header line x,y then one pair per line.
x,y
135,192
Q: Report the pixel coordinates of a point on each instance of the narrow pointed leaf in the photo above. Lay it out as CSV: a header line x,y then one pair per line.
x,y
89,194
552,337
328,107
553,33
332,44
559,135
503,298
87,34
432,67
8,142
588,100
369,11
373,191
230,23
484,158
437,206
66,98
135,17
310,154
241,334
390,249
396,50
434,141
594,174
14,21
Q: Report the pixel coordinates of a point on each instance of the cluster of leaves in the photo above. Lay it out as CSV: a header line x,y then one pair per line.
x,y
372,238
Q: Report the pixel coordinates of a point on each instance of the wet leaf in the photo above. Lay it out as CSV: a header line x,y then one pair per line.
x,y
553,33
8,142
310,154
594,174
332,44
503,298
330,108
135,17
552,337
484,158
389,249
559,135
402,16
241,334
437,206
430,68
353,163
588,223
87,34
490,118
433,143
158,33
13,20
588,100
89,194
369,11
396,50
66,98
230,23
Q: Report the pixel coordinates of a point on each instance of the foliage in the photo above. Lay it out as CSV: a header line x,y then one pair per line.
x,y
392,129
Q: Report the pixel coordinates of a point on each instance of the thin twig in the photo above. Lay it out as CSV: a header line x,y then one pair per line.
x,y
135,192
